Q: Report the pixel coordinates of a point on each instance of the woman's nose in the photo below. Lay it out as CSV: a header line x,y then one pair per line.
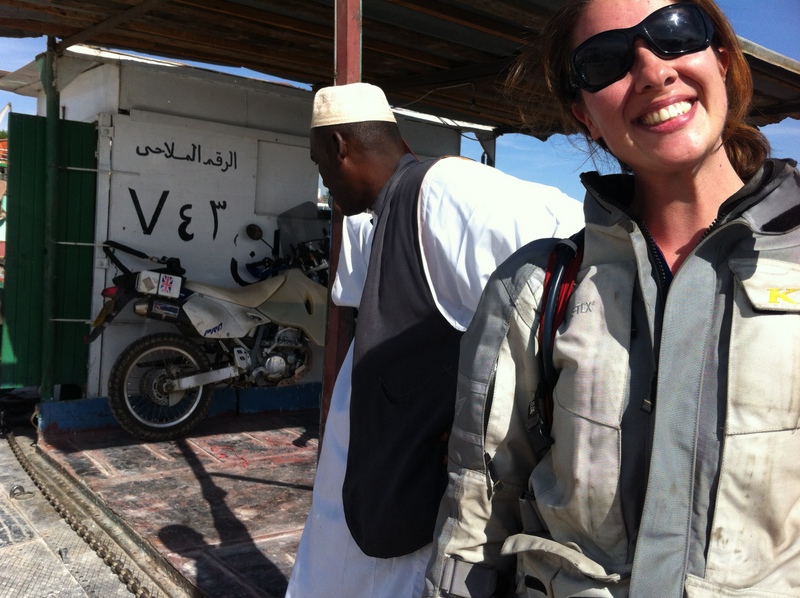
x,y
649,70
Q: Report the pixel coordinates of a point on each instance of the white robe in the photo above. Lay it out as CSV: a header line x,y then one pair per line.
x,y
471,218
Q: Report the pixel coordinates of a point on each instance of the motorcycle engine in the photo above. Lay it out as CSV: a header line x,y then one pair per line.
x,y
281,357
276,366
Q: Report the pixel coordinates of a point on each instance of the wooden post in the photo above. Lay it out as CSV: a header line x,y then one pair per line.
x,y
339,332
347,65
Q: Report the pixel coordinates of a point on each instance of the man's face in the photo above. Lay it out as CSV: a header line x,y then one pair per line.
x,y
324,155
329,154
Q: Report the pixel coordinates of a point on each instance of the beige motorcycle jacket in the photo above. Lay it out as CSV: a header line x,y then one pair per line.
x,y
675,467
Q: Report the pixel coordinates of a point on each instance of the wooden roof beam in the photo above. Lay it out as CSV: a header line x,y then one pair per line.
x,y
464,18
451,77
109,24
370,43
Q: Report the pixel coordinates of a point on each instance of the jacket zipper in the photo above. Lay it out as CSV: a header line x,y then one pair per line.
x,y
649,402
493,480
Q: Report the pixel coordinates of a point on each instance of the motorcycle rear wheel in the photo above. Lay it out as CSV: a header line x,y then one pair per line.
x,y
137,397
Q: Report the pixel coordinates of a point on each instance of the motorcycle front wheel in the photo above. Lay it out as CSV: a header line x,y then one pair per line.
x,y
139,398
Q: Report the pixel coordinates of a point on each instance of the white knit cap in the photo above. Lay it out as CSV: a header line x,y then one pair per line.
x,y
352,103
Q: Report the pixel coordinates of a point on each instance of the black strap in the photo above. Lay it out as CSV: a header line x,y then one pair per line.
x,y
173,264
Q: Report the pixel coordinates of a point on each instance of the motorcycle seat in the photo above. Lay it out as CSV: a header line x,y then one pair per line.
x,y
250,296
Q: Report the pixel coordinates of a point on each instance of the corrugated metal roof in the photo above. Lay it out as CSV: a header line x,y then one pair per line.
x,y
447,58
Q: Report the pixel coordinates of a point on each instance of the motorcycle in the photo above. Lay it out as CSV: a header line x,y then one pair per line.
x,y
258,335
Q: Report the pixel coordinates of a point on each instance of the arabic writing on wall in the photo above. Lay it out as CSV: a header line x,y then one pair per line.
x,y
185,189
167,149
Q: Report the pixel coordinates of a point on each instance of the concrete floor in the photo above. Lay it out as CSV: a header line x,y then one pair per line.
x,y
41,556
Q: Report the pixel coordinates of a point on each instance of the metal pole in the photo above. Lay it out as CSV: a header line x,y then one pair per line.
x,y
347,69
47,74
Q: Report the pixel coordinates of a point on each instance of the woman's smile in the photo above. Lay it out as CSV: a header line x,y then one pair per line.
x,y
667,113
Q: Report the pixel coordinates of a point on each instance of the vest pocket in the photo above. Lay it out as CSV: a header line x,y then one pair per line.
x,y
423,387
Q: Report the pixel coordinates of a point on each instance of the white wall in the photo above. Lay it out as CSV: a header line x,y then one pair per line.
x,y
189,188
92,92
189,158
215,97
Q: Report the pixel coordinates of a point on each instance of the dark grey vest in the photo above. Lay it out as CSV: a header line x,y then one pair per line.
x,y
404,385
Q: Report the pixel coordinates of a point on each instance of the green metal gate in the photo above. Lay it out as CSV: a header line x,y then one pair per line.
x,y
73,231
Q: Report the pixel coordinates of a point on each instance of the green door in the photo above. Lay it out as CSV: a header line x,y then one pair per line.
x,y
73,230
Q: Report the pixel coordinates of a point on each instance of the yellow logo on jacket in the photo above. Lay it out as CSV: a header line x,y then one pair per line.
x,y
783,296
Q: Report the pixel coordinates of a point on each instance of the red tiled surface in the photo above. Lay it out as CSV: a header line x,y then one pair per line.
x,y
225,505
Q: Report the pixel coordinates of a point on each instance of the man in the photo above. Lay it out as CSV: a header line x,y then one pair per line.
x,y
422,239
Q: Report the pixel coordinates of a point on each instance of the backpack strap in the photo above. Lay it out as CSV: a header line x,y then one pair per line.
x,y
461,579
559,281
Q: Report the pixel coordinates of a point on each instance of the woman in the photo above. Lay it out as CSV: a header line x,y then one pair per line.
x,y
674,469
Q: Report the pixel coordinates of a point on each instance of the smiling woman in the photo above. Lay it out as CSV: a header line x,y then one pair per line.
x,y
657,100
560,159
658,410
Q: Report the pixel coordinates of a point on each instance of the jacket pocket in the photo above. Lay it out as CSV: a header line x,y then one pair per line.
x,y
549,569
764,363
751,550
699,588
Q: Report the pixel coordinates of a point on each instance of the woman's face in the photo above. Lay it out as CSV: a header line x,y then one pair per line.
x,y
664,115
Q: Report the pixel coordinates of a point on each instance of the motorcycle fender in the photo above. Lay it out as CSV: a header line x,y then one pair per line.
x,y
213,318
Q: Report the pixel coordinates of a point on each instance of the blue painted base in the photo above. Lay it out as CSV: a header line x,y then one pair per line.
x,y
255,400
63,417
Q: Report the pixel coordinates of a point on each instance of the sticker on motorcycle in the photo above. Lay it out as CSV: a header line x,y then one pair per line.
x,y
166,310
155,283
213,330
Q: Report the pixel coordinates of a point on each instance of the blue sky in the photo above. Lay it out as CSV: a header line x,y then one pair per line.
x,y
773,24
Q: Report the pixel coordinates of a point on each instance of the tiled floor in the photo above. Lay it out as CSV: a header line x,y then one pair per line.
x,y
226,505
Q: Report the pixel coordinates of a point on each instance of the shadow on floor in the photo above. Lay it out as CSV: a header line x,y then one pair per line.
x,y
225,506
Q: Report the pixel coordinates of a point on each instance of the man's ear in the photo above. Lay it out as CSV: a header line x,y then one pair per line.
x,y
340,145
582,114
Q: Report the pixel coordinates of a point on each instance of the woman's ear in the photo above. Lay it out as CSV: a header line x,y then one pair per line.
x,y
723,60
580,112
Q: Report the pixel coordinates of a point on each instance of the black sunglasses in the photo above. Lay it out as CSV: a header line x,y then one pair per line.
x,y
671,31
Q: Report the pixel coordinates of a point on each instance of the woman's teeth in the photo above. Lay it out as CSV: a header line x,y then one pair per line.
x,y
666,113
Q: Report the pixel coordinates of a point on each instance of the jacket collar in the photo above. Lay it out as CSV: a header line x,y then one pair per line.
x,y
769,200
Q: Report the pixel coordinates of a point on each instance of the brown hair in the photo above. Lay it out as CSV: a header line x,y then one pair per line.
x,y
545,59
